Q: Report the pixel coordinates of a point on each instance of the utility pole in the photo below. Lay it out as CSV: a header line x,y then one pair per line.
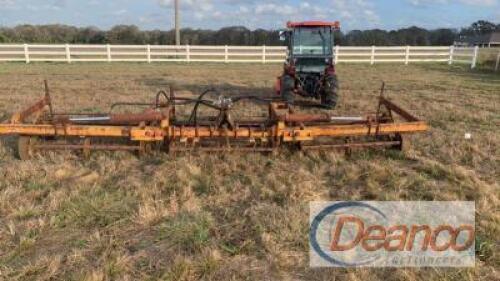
x,y
177,24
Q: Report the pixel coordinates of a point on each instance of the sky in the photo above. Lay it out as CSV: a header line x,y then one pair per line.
x,y
268,14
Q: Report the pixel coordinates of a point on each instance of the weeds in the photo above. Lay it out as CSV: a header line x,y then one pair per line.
x,y
190,232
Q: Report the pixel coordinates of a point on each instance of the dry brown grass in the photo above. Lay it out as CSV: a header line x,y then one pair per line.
x,y
235,217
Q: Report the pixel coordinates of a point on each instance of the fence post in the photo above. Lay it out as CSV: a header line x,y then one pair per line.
x,y
372,60
452,52
407,55
337,49
108,52
26,53
68,53
226,54
148,53
474,58
498,62
264,54
188,54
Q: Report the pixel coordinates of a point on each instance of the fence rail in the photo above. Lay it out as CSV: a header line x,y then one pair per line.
x,y
497,65
227,54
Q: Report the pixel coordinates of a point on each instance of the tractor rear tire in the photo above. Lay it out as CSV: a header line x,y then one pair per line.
x,y
287,88
329,97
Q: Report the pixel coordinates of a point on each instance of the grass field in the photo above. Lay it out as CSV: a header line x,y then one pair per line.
x,y
236,217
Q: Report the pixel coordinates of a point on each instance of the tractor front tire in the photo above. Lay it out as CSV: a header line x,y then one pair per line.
x,y
329,96
287,88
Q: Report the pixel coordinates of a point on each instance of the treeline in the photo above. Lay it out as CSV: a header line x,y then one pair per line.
x,y
129,34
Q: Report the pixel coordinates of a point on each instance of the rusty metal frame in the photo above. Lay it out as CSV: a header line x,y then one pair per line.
x,y
284,126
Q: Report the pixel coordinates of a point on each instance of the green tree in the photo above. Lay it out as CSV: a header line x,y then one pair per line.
x,y
442,37
126,34
480,27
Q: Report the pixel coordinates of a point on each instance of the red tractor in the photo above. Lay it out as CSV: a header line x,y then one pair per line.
x,y
309,69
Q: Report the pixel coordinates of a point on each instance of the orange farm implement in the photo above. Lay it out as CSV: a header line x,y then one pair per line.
x,y
40,128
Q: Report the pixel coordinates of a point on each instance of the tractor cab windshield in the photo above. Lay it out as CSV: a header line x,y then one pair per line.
x,y
315,41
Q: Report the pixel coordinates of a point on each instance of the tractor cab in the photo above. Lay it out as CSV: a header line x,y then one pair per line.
x,y
310,61
310,44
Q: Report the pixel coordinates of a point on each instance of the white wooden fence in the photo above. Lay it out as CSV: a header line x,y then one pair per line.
x,y
498,62
227,54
